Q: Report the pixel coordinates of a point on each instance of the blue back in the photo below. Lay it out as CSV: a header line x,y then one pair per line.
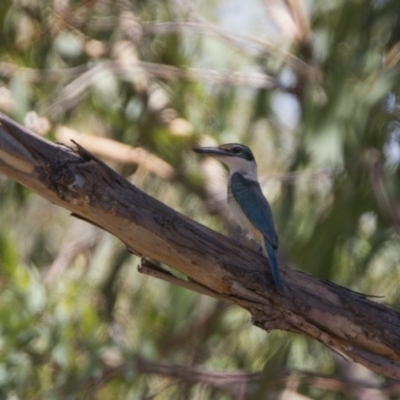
x,y
248,195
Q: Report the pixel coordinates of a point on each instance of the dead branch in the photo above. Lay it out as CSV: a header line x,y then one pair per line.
x,y
345,321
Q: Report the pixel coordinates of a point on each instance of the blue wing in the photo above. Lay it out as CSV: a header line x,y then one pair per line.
x,y
248,195
257,209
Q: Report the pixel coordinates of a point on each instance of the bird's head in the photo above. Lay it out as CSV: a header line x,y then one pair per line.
x,y
238,157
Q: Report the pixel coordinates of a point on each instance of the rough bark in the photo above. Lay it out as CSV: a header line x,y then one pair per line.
x,y
349,323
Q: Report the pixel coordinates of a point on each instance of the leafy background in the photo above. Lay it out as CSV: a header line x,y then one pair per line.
x,y
312,87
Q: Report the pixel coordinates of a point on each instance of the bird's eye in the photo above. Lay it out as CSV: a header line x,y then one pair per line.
x,y
237,150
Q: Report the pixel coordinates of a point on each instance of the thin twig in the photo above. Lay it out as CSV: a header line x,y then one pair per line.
x,y
147,267
8,70
111,150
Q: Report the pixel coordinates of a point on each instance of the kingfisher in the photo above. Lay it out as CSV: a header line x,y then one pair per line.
x,y
246,201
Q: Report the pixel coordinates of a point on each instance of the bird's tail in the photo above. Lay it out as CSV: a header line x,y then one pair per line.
x,y
271,253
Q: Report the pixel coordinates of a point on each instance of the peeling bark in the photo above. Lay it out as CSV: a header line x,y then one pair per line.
x,y
347,322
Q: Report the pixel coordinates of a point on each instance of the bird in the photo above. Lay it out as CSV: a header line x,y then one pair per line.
x,y
248,205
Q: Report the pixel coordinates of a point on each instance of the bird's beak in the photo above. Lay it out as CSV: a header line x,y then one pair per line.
x,y
212,151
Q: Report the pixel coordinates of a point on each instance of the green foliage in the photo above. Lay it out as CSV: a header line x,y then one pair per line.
x,y
326,140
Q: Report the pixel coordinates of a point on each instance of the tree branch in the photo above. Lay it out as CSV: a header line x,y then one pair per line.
x,y
347,322
234,381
